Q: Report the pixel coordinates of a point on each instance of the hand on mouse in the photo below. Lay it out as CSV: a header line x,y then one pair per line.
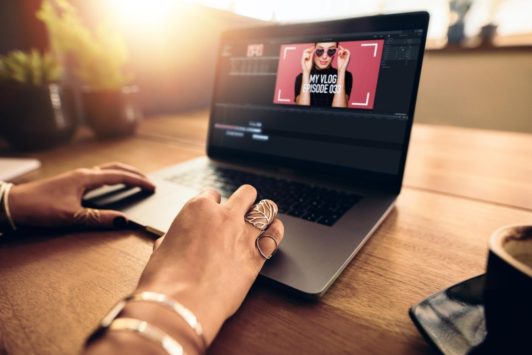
x,y
56,201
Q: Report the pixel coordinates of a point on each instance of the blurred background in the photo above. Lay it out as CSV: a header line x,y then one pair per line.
x,y
477,70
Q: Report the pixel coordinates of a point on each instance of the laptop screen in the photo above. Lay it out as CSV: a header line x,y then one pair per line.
x,y
331,95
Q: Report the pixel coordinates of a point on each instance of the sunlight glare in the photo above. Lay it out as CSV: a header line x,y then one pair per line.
x,y
145,13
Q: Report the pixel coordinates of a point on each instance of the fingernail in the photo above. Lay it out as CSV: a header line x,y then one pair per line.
x,y
120,222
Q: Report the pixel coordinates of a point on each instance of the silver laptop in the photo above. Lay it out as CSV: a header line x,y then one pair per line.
x,y
317,117
11,168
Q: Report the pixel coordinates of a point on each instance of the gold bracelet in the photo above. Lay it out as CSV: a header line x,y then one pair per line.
x,y
4,203
175,306
7,189
149,331
2,190
112,315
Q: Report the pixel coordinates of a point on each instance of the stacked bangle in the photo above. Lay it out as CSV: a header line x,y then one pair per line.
x,y
149,331
5,188
175,306
112,322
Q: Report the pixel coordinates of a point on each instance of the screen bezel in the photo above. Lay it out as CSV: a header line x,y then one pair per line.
x,y
393,22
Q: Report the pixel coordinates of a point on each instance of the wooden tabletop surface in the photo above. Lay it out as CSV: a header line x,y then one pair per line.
x,y
460,185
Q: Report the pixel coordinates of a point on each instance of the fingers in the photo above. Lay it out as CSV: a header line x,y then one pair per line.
x,y
111,218
89,217
98,178
121,166
268,242
242,199
308,53
345,53
211,195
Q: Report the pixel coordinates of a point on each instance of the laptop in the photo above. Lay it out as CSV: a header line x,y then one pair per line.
x,y
11,168
317,117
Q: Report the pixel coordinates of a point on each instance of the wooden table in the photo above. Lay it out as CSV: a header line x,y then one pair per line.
x,y
460,185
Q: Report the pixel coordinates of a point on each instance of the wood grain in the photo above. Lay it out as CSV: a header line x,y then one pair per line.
x,y
55,286
484,165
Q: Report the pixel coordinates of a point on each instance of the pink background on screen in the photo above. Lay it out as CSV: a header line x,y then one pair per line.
x,y
364,66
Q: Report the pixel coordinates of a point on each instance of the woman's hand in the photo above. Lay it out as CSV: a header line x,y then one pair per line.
x,y
343,58
208,259
56,202
307,60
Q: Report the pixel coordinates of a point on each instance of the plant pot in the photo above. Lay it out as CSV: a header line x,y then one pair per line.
x,y
37,117
112,113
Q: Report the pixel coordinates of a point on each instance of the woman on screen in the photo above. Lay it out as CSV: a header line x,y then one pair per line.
x,y
319,83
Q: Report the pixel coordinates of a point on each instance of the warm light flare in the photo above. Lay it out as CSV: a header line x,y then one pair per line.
x,y
144,13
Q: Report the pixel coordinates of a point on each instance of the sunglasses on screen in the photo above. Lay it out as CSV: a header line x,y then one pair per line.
x,y
330,52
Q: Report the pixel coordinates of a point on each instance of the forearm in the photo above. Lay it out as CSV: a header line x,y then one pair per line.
x,y
304,93
196,297
121,342
340,97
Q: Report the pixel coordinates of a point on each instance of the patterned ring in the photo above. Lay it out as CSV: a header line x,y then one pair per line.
x,y
262,214
88,217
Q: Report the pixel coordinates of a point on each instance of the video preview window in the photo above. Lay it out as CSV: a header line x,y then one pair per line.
x,y
329,74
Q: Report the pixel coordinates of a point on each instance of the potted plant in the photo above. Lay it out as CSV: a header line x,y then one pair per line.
x,y
36,110
99,59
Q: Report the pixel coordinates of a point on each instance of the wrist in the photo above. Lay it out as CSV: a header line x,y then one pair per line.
x,y
123,342
167,321
149,322
209,310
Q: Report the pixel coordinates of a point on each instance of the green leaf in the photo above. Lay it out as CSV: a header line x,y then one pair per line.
x,y
100,55
30,68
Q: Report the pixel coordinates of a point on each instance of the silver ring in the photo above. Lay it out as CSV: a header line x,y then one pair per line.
x,y
261,214
257,244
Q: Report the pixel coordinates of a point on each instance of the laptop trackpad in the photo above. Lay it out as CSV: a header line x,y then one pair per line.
x,y
154,210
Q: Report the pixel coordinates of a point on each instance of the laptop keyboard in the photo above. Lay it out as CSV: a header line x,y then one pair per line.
x,y
312,203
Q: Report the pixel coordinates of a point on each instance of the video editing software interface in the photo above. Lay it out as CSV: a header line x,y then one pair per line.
x,y
341,100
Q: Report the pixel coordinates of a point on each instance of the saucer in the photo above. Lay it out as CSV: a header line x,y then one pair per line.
x,y
453,319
